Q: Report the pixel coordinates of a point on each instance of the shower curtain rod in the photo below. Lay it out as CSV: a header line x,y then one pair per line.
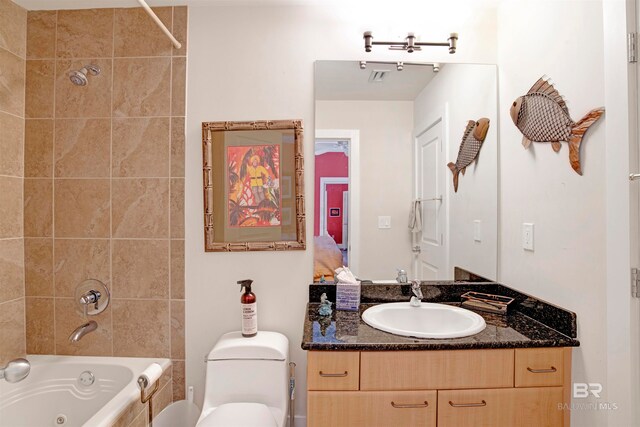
x,y
157,20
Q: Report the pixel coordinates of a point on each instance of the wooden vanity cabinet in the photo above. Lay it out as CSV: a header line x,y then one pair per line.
x,y
457,388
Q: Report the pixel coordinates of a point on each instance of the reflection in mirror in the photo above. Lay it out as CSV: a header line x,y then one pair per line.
x,y
384,137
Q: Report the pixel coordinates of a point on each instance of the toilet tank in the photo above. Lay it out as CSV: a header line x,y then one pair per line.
x,y
252,369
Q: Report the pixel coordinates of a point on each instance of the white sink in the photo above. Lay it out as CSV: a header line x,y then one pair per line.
x,y
429,320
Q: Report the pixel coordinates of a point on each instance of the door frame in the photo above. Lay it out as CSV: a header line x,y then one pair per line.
x,y
440,115
353,135
324,181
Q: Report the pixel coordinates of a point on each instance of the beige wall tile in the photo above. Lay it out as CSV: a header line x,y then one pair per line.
x,y
141,328
141,147
38,266
162,399
82,207
38,207
142,420
177,208
82,148
13,28
11,145
68,318
41,34
12,329
141,87
178,380
40,325
39,88
79,260
177,269
11,207
140,268
11,269
92,100
137,35
177,146
141,207
131,414
177,330
86,33
38,148
178,86
12,83
180,20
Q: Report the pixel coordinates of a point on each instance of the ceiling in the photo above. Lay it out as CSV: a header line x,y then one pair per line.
x,y
344,80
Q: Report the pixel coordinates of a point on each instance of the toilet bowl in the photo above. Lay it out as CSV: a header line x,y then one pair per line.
x,y
247,381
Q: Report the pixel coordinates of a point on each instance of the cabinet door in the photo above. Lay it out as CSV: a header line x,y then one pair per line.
x,y
333,370
371,409
523,407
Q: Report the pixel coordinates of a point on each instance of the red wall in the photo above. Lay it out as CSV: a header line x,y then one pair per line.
x,y
327,165
334,200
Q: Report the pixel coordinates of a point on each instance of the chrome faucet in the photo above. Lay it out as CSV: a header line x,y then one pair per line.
x,y
83,330
416,298
16,370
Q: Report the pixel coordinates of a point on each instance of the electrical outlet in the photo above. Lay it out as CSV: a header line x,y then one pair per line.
x,y
527,236
477,230
384,222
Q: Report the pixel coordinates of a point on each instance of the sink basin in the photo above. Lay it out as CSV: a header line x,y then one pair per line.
x,y
429,320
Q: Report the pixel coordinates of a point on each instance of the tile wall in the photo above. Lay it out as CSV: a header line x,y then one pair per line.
x,y
13,32
104,182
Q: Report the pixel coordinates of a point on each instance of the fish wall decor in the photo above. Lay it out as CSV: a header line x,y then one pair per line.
x,y
542,116
472,140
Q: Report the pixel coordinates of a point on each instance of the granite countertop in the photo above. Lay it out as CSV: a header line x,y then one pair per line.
x,y
530,323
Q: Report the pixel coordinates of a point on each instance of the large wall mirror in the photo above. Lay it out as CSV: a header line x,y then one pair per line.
x,y
384,135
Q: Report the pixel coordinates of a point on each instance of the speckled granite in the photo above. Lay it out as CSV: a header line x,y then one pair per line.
x,y
530,322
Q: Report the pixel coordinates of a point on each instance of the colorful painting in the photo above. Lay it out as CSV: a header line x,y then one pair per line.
x,y
253,186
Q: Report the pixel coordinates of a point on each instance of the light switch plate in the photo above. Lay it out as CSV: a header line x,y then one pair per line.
x,y
384,222
527,236
477,230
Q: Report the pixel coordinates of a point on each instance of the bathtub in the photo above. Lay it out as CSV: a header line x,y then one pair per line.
x,y
74,391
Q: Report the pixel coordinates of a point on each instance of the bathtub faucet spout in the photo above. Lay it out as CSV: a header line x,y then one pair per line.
x,y
83,330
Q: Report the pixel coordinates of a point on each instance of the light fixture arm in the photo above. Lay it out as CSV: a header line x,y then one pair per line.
x,y
409,44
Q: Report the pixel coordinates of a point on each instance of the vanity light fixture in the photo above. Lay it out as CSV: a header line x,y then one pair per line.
x,y
435,66
410,44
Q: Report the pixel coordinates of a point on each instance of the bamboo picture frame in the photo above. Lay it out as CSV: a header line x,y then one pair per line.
x,y
244,164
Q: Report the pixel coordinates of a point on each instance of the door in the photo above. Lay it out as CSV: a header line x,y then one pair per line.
x,y
430,168
345,220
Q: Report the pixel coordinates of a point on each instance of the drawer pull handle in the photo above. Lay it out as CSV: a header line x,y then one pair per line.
x,y
322,374
467,405
542,371
409,405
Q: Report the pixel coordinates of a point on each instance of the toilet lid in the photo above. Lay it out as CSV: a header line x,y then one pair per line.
x,y
239,415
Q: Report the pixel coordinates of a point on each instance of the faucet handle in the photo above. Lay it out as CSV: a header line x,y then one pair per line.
x,y
92,297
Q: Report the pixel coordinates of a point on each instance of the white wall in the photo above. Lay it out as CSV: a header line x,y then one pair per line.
x,y
248,63
564,40
385,178
467,92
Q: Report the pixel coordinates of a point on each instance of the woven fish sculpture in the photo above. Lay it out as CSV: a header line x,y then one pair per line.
x,y
542,116
472,140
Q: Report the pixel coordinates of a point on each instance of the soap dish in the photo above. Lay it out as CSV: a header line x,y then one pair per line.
x,y
497,304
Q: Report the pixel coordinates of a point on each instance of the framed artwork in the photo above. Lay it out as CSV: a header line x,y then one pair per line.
x,y
334,212
248,171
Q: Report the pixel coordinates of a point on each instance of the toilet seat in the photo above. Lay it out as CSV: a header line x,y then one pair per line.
x,y
239,415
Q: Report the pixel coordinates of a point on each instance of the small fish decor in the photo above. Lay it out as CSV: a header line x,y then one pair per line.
x,y
542,116
472,140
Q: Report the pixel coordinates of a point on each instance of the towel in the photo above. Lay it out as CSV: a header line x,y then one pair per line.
x,y
345,276
415,217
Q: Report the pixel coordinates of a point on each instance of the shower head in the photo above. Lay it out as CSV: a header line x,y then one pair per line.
x,y
79,77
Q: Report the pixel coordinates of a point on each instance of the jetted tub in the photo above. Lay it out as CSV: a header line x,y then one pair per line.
x,y
74,391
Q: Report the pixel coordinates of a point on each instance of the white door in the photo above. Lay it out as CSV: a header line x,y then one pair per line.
x,y
433,258
345,220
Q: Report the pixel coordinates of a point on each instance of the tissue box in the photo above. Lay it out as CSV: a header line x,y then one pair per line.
x,y
348,296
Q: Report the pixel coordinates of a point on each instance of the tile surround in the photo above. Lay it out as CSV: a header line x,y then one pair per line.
x,y
104,197
12,83
11,145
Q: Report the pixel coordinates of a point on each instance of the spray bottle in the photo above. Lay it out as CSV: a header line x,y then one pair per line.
x,y
249,309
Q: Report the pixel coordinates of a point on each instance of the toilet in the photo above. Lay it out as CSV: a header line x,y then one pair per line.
x,y
247,381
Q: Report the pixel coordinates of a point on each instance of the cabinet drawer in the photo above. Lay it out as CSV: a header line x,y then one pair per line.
x,y
371,408
333,370
524,407
430,370
539,367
